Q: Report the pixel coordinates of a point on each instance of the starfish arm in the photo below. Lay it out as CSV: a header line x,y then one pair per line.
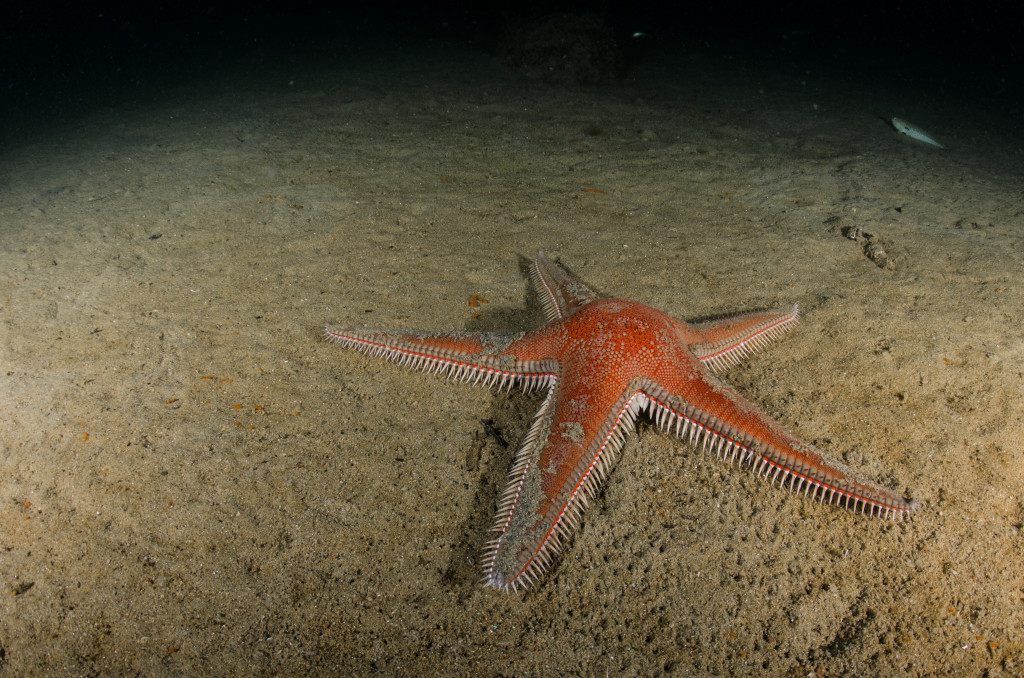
x,y
561,294
716,418
721,344
566,458
477,357
518,555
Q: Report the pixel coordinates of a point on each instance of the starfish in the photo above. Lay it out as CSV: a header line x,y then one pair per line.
x,y
604,362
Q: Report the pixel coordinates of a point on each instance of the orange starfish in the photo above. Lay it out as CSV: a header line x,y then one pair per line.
x,y
603,362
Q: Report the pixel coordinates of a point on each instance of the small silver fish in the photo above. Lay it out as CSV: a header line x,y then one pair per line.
x,y
914,132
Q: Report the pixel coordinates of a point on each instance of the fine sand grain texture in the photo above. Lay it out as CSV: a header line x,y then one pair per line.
x,y
195,483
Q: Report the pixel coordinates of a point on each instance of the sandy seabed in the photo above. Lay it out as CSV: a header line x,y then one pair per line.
x,y
195,482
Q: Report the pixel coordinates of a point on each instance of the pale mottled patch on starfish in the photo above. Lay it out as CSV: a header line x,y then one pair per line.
x,y
603,363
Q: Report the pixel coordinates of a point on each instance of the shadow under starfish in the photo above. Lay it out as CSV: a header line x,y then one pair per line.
x,y
604,362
